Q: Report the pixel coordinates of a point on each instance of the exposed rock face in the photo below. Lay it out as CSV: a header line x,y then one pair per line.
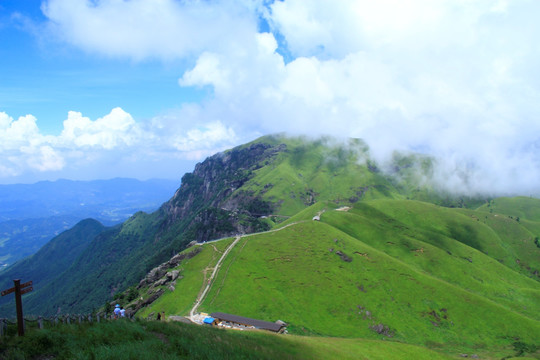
x,y
207,206
173,275
207,198
160,275
151,299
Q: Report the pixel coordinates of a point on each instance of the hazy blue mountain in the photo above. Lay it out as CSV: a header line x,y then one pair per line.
x,y
22,238
32,214
111,200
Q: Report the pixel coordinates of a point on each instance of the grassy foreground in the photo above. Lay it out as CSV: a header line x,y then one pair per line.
x,y
161,340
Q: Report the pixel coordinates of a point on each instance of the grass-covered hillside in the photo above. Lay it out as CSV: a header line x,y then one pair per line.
x,y
154,340
248,189
384,262
452,280
311,171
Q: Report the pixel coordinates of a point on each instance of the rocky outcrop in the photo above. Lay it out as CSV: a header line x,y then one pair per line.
x,y
139,304
160,275
382,330
343,256
208,202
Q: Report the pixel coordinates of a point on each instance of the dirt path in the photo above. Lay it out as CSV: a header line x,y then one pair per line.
x,y
212,276
274,230
209,283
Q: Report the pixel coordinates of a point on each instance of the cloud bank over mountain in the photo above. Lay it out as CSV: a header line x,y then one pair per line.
x,y
455,79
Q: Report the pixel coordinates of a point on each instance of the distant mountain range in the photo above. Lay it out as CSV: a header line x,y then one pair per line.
x,y
32,214
354,252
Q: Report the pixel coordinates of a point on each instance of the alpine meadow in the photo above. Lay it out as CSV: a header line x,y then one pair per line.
x,y
269,179
360,262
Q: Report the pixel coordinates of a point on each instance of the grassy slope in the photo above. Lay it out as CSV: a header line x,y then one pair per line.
x,y
291,274
195,272
462,262
407,272
519,206
101,265
160,340
318,170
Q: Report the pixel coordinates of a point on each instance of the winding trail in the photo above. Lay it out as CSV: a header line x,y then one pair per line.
x,y
201,297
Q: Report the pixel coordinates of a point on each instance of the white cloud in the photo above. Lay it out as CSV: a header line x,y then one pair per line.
x,y
208,136
149,29
5,121
454,78
21,130
207,71
113,130
44,158
448,78
115,145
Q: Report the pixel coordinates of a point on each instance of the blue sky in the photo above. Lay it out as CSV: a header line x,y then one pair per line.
x,y
46,78
133,88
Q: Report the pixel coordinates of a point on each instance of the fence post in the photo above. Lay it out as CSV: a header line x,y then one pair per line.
x,y
40,322
80,319
68,319
1,327
97,317
56,320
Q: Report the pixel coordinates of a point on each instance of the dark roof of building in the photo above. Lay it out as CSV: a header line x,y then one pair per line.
x,y
260,324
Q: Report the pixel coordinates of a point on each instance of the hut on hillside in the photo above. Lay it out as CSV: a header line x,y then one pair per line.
x,y
240,321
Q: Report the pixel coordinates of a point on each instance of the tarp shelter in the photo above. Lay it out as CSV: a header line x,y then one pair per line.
x,y
209,320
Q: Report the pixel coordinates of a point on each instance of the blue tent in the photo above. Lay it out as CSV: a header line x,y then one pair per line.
x,y
209,320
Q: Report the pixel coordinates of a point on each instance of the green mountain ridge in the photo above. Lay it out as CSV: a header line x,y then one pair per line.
x,y
52,259
391,258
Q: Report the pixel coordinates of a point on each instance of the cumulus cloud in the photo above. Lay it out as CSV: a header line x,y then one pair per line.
x,y
115,145
24,148
19,131
149,29
452,78
113,130
44,158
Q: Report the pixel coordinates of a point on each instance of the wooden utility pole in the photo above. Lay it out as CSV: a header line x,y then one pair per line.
x,y
19,289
